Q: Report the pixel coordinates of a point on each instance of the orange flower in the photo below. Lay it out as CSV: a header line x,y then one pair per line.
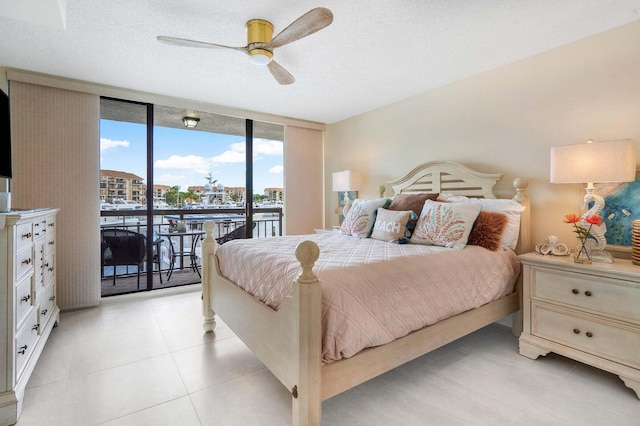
x,y
594,219
571,218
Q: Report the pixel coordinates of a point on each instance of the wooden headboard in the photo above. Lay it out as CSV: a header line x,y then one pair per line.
x,y
449,177
453,178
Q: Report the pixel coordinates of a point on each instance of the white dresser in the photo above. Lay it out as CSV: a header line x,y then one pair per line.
x,y
27,300
590,313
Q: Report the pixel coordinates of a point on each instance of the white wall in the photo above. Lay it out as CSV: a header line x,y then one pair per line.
x,y
504,121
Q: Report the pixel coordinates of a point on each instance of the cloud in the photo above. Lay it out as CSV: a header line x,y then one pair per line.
x,y
267,147
276,169
237,152
106,144
194,163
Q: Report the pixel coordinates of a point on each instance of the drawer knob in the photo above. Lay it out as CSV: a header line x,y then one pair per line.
x,y
44,312
35,327
589,334
26,261
575,291
576,331
27,235
25,298
50,269
51,243
52,298
52,225
22,350
587,293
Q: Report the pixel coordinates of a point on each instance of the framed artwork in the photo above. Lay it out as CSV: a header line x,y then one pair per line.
x,y
352,196
622,206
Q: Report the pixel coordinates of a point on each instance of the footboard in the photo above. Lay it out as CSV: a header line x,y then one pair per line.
x,y
288,341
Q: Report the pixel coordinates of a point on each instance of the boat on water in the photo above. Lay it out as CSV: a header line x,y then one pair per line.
x,y
120,204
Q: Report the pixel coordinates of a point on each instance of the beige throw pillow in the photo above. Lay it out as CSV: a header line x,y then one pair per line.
x,y
390,225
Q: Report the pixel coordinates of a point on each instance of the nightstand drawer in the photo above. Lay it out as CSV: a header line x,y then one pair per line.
x,y
598,294
607,340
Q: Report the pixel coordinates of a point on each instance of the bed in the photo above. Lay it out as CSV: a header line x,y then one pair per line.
x,y
289,340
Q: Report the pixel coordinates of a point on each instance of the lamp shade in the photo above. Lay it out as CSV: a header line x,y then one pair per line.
x,y
613,161
346,181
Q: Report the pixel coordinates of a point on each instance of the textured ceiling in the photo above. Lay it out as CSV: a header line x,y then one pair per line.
x,y
375,52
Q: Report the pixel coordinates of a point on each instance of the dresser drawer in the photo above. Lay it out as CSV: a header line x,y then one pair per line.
x,y
24,235
26,342
25,300
618,343
598,294
50,242
48,269
47,303
39,228
24,262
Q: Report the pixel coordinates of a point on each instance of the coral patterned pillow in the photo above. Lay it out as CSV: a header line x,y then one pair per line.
x,y
361,215
445,224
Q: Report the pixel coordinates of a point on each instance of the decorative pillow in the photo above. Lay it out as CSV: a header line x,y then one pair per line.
x,y
445,224
361,215
411,201
391,225
487,230
511,208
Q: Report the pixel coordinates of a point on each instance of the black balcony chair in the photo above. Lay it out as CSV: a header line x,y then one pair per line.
x,y
121,247
237,234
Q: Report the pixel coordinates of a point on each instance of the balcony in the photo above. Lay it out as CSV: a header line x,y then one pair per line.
x,y
174,258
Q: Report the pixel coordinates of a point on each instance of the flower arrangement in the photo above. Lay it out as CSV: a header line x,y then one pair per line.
x,y
582,254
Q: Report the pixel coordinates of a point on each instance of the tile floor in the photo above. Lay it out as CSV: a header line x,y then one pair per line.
x,y
143,360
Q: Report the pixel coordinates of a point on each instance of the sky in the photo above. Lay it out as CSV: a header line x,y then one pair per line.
x,y
186,157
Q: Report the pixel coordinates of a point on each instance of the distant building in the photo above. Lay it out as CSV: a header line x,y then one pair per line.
x,y
239,193
198,189
274,194
160,191
124,185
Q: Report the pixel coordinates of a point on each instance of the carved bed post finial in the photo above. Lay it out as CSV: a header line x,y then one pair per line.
x,y
307,252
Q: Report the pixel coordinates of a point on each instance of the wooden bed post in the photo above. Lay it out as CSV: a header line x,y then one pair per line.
x,y
524,244
208,251
307,296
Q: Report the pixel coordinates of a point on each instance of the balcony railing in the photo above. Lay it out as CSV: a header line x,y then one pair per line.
x,y
177,253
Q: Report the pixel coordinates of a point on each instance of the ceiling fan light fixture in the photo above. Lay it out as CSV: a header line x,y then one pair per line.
x,y
190,122
260,56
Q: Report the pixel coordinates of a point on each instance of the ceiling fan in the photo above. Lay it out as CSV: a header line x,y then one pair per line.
x,y
260,44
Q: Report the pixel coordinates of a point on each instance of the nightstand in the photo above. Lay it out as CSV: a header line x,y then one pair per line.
x,y
590,313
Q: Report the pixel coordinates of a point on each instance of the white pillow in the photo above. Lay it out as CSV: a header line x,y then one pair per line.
x,y
445,224
361,215
511,208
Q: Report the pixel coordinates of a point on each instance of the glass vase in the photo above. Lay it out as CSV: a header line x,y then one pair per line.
x,y
581,254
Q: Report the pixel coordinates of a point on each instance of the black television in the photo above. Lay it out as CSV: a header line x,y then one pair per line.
x,y
5,136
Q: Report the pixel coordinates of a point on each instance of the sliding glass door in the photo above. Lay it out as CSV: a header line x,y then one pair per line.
x,y
200,166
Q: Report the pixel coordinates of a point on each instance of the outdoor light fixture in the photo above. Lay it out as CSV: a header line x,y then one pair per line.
x,y
190,122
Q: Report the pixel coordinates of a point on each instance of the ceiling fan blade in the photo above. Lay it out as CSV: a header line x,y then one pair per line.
x,y
312,21
281,75
193,43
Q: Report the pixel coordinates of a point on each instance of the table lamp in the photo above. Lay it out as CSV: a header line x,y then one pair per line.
x,y
345,181
594,162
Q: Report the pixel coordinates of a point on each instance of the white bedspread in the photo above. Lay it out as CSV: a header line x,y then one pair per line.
x,y
373,291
